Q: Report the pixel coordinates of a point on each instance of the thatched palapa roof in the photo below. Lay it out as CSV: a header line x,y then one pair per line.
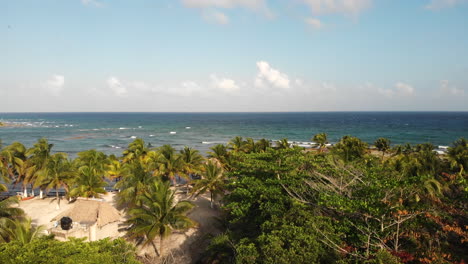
x,y
90,212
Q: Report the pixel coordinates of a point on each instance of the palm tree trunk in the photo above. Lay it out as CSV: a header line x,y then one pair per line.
x,y
58,200
161,246
155,248
40,194
211,200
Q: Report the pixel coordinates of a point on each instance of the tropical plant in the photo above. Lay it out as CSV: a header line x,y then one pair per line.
x,y
8,211
39,155
135,150
87,183
133,183
383,145
213,180
22,231
158,215
458,155
58,173
192,162
237,144
169,164
350,148
321,140
283,144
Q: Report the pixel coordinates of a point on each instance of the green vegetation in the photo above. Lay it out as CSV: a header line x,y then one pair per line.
x,y
47,250
278,204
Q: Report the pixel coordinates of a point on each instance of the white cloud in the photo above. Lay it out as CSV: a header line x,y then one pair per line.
x,y
346,7
314,22
251,4
404,89
216,17
268,76
55,84
452,90
116,86
91,2
224,84
186,88
440,4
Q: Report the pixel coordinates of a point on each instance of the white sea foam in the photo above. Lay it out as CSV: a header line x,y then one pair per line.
x,y
173,132
187,127
140,127
133,137
151,135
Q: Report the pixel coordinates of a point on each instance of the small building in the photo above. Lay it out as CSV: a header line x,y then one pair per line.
x,y
91,218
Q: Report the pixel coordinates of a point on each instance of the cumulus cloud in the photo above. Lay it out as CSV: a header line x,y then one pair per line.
x,y
346,7
314,22
216,17
55,84
268,76
440,4
186,88
404,89
451,90
224,84
116,86
210,6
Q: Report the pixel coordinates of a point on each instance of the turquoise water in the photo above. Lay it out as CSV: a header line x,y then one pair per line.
x,y
111,132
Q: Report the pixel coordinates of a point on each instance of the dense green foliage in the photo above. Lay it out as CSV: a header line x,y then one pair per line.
x,y
48,250
279,203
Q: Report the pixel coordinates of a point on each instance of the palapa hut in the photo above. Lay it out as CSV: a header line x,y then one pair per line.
x,y
89,217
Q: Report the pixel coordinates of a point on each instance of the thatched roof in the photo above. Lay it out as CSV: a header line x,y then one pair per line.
x,y
90,212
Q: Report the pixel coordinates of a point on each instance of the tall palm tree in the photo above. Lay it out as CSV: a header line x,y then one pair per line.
x,y
39,155
192,161
283,144
458,155
135,149
383,145
20,168
133,184
95,160
221,153
58,173
213,180
321,139
23,231
88,183
237,144
8,212
158,215
169,163
263,145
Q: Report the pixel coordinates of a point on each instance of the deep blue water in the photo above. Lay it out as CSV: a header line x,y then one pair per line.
x,y
111,132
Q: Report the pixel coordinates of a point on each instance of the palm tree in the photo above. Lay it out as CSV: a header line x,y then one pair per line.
x,y
192,161
237,144
249,146
382,144
458,155
38,157
8,212
133,183
321,140
23,231
213,180
263,145
58,173
135,150
221,153
96,160
169,163
88,183
283,144
158,215
19,168
350,148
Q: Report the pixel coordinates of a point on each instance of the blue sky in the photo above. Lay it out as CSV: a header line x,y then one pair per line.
x,y
233,55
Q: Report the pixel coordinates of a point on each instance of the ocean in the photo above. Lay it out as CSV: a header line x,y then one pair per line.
x,y
112,132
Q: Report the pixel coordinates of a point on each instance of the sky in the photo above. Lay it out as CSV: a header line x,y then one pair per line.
x,y
233,55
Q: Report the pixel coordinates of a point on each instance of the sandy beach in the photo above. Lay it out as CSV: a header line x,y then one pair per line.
x,y
181,247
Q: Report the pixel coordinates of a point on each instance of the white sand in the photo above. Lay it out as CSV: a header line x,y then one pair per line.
x,y
185,246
